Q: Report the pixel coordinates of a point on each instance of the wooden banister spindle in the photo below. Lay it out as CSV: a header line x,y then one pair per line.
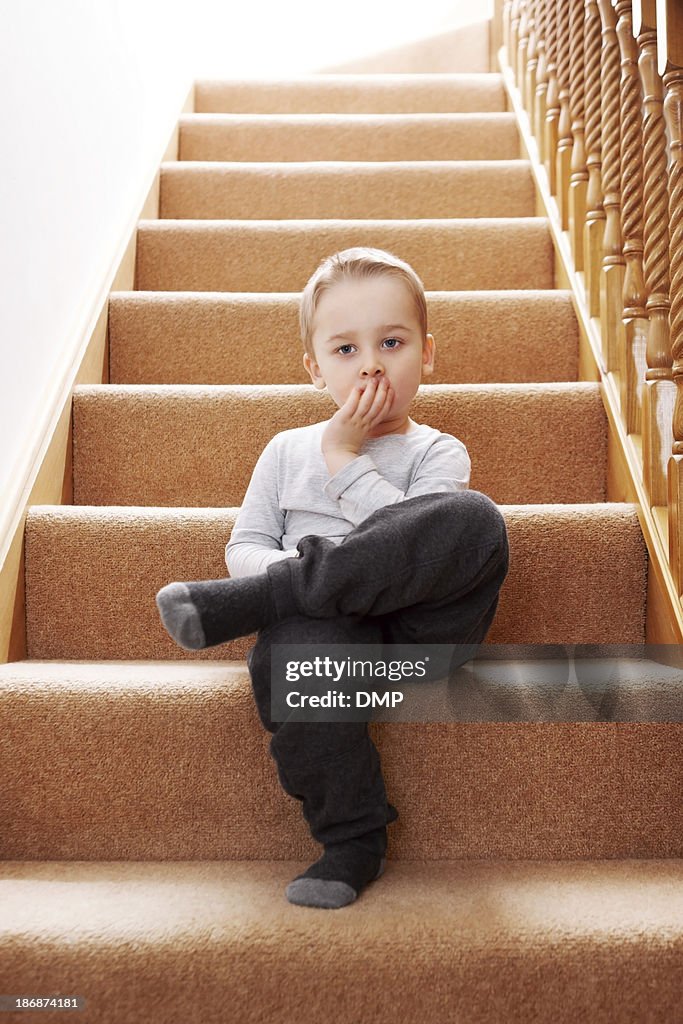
x,y
673,111
564,130
578,180
515,15
659,389
531,65
670,67
595,213
507,10
552,111
612,260
634,340
541,79
522,48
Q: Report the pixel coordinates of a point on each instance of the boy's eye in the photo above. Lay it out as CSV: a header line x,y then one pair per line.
x,y
397,342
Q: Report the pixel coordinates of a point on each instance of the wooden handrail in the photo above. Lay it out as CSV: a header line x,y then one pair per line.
x,y
599,88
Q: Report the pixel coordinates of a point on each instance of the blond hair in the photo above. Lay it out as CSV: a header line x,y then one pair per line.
x,y
356,264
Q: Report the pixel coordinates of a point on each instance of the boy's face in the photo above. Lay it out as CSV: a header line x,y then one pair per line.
x,y
383,338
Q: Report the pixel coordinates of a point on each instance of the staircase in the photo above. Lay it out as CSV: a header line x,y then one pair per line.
x,y
535,871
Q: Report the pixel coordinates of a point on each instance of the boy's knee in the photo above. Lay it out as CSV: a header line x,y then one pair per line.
x,y
485,510
477,513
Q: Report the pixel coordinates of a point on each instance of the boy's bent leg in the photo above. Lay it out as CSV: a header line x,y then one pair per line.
x,y
446,553
333,768
426,549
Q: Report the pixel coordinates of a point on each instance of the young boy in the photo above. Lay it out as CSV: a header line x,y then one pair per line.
x,y
358,529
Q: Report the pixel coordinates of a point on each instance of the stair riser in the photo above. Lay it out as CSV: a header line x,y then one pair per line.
x,y
355,94
353,137
275,256
145,772
161,338
163,446
358,191
92,576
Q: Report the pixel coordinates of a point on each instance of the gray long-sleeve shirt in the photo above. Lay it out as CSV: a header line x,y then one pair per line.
x,y
291,493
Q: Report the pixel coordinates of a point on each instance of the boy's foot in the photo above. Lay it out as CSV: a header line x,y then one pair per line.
x,y
338,877
209,612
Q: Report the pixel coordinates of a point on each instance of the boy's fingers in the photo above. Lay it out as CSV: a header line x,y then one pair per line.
x,y
353,399
367,397
381,394
385,397
353,402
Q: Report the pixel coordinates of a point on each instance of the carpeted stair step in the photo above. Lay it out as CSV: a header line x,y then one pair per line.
x,y
145,822
252,338
353,94
474,136
518,941
278,255
175,444
155,760
92,574
347,190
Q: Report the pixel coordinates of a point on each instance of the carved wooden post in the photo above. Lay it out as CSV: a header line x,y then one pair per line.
x,y
541,79
659,389
532,64
612,272
507,15
670,63
522,48
579,174
515,13
631,152
552,112
564,130
595,213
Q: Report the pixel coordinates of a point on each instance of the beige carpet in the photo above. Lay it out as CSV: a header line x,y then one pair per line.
x,y
471,941
225,337
277,137
535,872
400,190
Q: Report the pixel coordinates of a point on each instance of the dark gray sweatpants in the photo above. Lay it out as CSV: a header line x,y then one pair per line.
x,y
426,570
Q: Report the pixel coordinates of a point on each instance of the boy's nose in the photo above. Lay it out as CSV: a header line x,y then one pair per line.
x,y
372,370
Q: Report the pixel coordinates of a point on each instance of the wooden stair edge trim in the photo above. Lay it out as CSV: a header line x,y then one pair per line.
x,y
664,611
43,471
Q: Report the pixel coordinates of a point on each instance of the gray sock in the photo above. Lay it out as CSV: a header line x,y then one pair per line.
x,y
338,877
180,617
324,892
205,613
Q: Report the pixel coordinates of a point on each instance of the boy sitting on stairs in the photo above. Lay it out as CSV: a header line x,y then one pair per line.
x,y
357,529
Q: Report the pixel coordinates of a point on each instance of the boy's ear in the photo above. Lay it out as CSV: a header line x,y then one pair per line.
x,y
428,352
313,371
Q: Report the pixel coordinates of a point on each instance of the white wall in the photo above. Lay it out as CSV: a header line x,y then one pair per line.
x,y
91,92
